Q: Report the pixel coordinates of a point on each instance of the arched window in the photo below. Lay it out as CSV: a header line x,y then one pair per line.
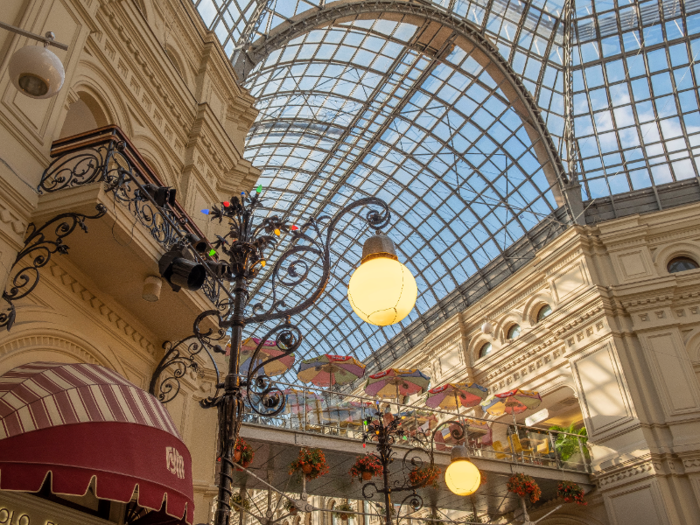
x,y
681,264
544,312
485,349
513,332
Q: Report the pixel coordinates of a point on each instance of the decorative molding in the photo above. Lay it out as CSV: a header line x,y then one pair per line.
x,y
120,325
9,217
596,310
626,474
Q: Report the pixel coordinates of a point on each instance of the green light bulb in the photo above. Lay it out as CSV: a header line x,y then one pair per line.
x,y
212,252
259,189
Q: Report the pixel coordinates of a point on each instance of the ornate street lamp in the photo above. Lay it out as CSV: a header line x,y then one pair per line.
x,y
241,254
462,477
382,291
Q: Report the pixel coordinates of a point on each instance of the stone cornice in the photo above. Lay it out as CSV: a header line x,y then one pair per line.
x,y
624,473
221,155
171,100
124,329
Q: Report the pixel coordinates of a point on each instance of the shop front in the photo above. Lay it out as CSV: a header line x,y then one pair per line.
x,y
81,444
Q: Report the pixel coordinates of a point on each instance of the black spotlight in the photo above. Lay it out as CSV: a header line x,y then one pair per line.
x,y
198,244
180,271
161,194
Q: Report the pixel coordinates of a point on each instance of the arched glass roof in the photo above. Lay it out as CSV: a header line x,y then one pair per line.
x,y
393,107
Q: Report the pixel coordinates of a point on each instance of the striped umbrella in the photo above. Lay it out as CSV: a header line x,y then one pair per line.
x,y
397,382
454,395
512,402
330,370
269,350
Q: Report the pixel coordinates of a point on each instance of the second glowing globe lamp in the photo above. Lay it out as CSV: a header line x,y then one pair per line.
x,y
462,477
382,291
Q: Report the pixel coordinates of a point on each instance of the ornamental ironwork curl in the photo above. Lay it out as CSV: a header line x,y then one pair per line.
x,y
161,223
313,238
77,169
182,356
269,398
414,500
39,247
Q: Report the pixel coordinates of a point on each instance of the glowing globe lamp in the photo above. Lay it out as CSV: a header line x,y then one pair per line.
x,y
382,291
462,477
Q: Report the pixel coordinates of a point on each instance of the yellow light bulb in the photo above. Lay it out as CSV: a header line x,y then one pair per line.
x,y
382,291
462,477
277,232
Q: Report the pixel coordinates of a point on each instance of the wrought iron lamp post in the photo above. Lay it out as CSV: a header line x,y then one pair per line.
x,y
385,436
241,257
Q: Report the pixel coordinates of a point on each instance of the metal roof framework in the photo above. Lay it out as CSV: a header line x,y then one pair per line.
x,y
454,111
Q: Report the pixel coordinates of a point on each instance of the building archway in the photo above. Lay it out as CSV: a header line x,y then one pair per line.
x,y
84,114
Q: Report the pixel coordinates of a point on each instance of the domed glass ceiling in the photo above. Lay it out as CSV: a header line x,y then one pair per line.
x,y
359,107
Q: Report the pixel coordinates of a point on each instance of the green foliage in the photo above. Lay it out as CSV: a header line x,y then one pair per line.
x,y
237,502
567,446
345,508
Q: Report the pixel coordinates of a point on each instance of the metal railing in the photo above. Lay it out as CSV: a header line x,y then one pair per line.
x,y
331,413
105,155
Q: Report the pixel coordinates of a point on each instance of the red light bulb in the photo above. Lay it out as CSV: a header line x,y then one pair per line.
x,y
226,204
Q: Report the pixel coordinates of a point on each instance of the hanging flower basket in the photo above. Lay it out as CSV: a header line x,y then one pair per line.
x,y
571,493
424,476
311,462
243,453
525,487
366,467
342,515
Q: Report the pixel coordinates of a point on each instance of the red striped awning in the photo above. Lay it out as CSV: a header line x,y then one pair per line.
x,y
81,421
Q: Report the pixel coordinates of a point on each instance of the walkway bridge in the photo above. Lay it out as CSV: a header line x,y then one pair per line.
x,y
332,422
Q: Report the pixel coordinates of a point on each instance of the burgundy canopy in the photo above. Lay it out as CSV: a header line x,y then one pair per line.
x,y
79,422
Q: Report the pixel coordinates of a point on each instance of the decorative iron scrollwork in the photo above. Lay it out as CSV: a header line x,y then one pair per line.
x,y
77,168
311,239
181,356
39,247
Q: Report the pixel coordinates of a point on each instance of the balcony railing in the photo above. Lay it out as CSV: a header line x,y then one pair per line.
x,y
330,413
107,156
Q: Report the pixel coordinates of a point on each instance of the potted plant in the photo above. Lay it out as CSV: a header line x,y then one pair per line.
x,y
238,502
340,511
525,487
571,493
567,445
366,467
243,453
290,507
311,462
424,476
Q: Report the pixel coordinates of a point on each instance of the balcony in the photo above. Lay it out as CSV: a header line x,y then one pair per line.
x,y
332,421
123,247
